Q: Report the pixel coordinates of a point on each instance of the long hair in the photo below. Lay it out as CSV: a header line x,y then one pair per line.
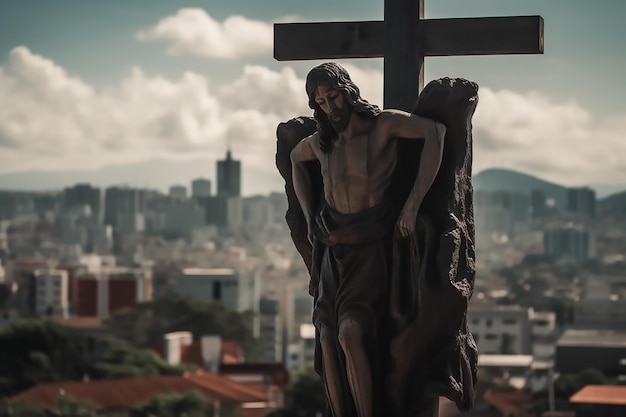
x,y
334,76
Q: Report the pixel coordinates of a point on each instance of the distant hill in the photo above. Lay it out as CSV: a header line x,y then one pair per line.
x,y
507,180
153,173
614,202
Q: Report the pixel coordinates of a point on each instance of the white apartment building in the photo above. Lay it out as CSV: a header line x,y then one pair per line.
x,y
513,330
501,329
238,291
51,292
602,304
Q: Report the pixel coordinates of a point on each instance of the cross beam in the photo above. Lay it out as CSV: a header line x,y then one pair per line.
x,y
404,39
439,37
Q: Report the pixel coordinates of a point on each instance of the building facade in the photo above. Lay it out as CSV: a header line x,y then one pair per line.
x,y
228,177
102,293
501,330
52,292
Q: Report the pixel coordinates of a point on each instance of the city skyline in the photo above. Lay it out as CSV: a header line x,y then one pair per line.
x,y
87,84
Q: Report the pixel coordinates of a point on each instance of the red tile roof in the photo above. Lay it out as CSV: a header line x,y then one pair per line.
x,y
191,354
231,352
600,394
124,393
276,371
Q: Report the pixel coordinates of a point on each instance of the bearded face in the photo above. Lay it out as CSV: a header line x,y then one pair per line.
x,y
334,104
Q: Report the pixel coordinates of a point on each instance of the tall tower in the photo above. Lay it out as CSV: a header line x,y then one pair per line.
x,y
228,177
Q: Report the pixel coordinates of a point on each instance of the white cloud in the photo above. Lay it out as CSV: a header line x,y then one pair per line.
x,y
52,120
281,93
193,31
556,141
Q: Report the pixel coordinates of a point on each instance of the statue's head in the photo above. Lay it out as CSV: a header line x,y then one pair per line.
x,y
328,79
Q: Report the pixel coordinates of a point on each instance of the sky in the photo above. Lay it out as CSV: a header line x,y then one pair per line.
x,y
90,83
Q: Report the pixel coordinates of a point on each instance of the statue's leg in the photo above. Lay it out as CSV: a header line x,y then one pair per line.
x,y
334,383
351,338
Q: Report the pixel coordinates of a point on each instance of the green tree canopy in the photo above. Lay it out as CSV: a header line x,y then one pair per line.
x,y
148,322
35,351
305,397
41,351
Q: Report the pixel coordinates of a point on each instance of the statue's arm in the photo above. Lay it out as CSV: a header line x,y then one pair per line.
x,y
411,126
301,178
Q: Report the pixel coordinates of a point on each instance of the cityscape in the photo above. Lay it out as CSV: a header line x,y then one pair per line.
x,y
131,269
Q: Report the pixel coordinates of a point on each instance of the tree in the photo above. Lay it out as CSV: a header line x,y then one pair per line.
x,y
307,394
306,397
6,295
174,405
148,322
40,351
567,385
35,351
126,362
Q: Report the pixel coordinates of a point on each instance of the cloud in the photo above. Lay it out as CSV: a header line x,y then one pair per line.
x,y
559,141
50,120
192,31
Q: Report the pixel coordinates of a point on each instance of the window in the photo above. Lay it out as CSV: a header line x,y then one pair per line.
x,y
217,291
488,322
509,321
491,336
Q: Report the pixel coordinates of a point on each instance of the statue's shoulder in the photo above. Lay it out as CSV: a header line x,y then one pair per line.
x,y
389,115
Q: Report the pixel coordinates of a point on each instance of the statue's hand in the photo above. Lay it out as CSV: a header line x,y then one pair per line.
x,y
405,225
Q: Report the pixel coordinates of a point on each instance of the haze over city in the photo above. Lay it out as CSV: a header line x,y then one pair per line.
x,y
88,84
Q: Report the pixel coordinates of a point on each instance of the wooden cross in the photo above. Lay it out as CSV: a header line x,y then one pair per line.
x,y
404,38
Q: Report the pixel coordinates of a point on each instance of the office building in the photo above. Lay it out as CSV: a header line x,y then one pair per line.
x,y
571,242
201,187
581,201
228,177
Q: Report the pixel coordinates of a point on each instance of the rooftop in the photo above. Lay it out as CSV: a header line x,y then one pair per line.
x,y
600,394
505,360
208,271
593,338
124,393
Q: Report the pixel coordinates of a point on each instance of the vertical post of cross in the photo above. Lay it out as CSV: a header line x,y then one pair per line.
x,y
404,55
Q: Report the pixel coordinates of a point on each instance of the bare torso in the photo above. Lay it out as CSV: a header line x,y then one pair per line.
x,y
358,169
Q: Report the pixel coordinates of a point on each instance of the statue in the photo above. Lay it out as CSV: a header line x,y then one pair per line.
x,y
380,208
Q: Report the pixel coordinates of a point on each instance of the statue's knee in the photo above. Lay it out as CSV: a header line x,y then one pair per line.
x,y
326,336
350,333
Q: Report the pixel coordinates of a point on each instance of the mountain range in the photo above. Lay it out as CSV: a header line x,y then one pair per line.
x,y
162,173
157,174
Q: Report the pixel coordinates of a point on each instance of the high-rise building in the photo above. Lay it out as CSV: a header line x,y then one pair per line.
x,y
571,242
124,209
201,187
178,191
228,177
581,201
538,203
223,212
84,195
